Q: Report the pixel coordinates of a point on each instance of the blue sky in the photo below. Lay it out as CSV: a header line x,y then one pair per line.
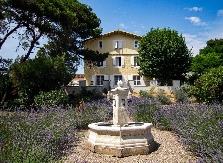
x,y
197,20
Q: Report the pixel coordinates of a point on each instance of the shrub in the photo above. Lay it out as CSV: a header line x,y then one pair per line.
x,y
181,95
208,87
164,99
51,98
32,137
142,109
48,135
199,126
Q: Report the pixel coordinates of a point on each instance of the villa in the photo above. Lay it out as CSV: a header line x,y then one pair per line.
x,y
121,63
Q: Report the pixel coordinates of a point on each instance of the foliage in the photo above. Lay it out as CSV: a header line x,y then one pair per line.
x,y
163,98
5,83
61,21
40,74
213,46
181,95
208,87
51,98
163,54
209,57
203,62
144,93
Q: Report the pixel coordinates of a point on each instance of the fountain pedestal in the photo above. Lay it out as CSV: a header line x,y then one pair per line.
x,y
120,138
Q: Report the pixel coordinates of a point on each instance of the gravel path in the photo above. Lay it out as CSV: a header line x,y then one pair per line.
x,y
169,151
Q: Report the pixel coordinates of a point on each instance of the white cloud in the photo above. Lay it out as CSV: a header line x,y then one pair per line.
x,y
195,9
195,21
220,12
194,42
122,26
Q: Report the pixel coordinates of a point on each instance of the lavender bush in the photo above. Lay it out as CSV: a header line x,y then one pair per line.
x,y
46,135
200,127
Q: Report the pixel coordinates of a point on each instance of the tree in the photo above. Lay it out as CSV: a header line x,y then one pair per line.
x,y
209,57
209,86
66,23
163,54
42,73
213,45
5,83
203,62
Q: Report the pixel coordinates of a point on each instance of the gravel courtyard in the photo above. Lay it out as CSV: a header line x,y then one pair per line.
x,y
169,151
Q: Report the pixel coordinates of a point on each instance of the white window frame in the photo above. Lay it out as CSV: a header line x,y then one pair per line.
x,y
115,82
136,45
100,41
136,80
101,81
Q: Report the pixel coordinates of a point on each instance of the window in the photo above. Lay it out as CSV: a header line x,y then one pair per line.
x,y
136,61
100,44
118,61
117,78
136,79
100,63
118,44
136,44
99,79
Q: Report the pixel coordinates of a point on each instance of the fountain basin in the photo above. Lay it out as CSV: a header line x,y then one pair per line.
x,y
131,139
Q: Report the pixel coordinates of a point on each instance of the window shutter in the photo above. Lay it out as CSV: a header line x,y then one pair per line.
x,y
93,79
112,81
115,44
123,61
104,63
105,77
130,77
142,81
120,44
114,61
132,61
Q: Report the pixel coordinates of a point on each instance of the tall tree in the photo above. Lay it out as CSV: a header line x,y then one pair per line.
x,y
211,56
163,54
66,23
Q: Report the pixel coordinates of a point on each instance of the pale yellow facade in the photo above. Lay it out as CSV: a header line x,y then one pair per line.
x,y
122,48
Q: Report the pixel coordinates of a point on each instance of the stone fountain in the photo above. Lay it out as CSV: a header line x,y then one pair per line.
x,y
122,137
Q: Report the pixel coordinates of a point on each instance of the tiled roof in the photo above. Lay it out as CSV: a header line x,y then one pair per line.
x,y
116,32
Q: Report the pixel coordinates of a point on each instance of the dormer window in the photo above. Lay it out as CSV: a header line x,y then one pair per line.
x,y
136,44
100,45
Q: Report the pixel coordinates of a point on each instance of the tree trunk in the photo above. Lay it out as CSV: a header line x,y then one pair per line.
x,y
32,44
8,34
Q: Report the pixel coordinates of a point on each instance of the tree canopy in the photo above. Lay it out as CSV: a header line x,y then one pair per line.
x,y
209,57
213,45
65,23
42,73
163,54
